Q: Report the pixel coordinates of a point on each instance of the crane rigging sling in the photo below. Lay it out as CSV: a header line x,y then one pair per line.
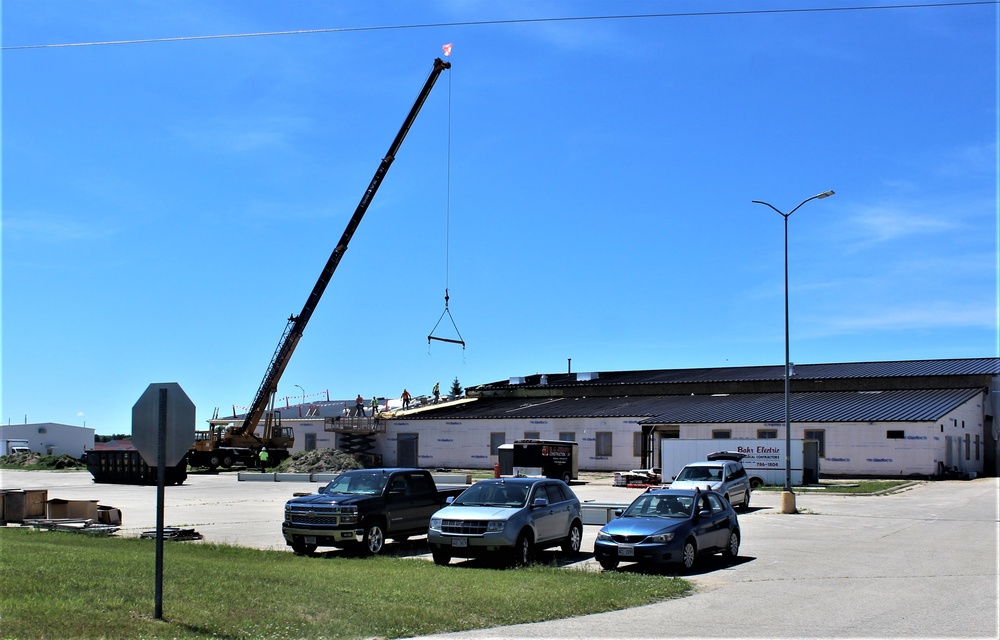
x,y
446,311
431,335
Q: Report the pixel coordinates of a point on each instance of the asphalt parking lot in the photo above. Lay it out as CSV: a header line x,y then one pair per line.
x,y
919,563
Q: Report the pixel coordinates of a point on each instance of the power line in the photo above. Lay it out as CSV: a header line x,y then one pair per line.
x,y
643,16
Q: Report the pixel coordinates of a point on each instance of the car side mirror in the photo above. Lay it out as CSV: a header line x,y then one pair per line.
x,y
449,499
540,502
619,512
704,513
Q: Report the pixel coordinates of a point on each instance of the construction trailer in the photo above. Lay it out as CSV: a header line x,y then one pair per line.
x,y
763,458
550,458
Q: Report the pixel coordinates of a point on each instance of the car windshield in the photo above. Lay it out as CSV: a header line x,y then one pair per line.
x,y
365,483
700,473
494,494
660,506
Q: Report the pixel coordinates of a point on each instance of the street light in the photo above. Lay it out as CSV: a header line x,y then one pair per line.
x,y
303,399
789,496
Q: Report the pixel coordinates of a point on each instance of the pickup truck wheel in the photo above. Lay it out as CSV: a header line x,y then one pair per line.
x,y
571,543
302,549
374,540
522,552
441,557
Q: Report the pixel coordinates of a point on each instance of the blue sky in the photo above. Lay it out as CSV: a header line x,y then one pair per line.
x,y
582,187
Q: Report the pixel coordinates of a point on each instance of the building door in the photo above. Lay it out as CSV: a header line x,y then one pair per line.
x,y
310,441
406,450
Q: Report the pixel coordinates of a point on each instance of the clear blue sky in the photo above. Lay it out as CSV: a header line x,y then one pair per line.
x,y
583,187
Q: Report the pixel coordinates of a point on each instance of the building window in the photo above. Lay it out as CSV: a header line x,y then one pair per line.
x,y
820,437
670,433
721,434
895,434
496,439
567,436
637,444
532,435
767,434
602,445
967,450
977,446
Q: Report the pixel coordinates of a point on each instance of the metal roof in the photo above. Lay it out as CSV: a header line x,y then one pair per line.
x,y
831,371
920,405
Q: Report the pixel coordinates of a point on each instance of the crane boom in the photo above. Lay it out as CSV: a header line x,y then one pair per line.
x,y
297,324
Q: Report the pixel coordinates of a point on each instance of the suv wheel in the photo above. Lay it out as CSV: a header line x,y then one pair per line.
x,y
571,543
441,557
521,554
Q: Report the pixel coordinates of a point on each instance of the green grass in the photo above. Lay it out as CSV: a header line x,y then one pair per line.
x,y
859,487
70,585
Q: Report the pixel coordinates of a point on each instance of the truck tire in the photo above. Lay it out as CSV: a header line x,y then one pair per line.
x,y
441,558
571,543
303,549
374,540
214,461
227,461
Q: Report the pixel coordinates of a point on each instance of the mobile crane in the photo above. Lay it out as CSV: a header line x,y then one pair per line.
x,y
231,441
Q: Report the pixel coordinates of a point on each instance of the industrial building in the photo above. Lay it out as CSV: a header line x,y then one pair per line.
x,y
51,438
890,419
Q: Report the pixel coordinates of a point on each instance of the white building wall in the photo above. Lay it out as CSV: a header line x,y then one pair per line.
x,y
854,448
51,437
466,443
864,448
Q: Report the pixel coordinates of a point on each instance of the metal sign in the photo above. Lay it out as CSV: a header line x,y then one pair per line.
x,y
166,401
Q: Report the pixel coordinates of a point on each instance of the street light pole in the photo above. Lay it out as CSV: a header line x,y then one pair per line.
x,y
304,398
788,426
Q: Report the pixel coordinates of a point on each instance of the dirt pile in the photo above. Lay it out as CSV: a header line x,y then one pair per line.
x,y
38,461
319,461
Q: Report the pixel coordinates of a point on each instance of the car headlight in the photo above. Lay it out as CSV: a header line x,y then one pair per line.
x,y
661,537
436,524
493,526
603,535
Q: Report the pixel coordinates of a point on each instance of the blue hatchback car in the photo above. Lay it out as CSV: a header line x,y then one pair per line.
x,y
670,526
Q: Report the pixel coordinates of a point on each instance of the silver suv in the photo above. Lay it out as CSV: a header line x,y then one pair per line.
x,y
507,517
722,472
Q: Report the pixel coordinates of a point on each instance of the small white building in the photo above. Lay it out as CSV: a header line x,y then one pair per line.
x,y
51,438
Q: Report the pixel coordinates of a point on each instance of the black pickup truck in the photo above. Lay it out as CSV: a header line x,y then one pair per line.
x,y
362,508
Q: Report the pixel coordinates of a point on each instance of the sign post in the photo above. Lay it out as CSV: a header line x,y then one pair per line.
x,y
162,431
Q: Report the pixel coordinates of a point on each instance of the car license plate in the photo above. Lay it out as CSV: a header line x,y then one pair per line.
x,y
309,540
459,542
626,550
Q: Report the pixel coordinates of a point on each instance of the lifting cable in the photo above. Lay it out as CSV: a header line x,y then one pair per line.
x,y
447,243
